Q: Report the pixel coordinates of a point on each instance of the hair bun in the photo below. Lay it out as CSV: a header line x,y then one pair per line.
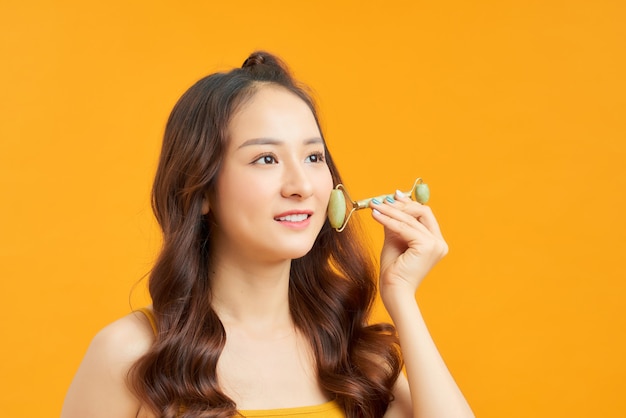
x,y
256,58
263,66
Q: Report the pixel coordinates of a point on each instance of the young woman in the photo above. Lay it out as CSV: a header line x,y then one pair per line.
x,y
259,307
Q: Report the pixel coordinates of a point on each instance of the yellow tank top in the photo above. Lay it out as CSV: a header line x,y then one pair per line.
x,y
326,410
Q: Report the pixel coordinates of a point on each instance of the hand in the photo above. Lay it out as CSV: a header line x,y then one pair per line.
x,y
413,245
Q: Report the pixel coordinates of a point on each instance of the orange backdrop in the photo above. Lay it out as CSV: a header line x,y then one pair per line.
x,y
514,112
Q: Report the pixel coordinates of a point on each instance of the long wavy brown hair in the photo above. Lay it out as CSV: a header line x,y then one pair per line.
x,y
331,288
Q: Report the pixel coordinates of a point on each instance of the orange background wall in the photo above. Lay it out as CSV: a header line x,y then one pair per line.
x,y
513,111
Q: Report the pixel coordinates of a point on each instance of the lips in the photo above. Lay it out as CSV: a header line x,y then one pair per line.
x,y
296,216
293,218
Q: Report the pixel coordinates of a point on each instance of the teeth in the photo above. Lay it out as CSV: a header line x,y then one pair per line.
x,y
294,218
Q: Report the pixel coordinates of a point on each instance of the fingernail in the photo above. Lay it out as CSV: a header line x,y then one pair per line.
x,y
376,201
400,194
375,212
390,199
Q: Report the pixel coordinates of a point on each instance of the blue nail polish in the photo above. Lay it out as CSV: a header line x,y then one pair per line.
x,y
376,201
389,199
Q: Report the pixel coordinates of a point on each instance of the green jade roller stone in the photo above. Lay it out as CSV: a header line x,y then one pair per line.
x,y
336,208
422,193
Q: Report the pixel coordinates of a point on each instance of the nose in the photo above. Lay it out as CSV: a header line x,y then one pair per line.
x,y
296,182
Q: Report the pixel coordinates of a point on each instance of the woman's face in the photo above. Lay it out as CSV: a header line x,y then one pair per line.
x,y
272,191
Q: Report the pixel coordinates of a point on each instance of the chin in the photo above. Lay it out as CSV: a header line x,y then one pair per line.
x,y
297,250
299,254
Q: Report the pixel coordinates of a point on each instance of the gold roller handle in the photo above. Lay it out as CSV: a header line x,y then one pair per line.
x,y
339,212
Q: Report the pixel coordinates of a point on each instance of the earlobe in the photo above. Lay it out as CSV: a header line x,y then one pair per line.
x,y
205,205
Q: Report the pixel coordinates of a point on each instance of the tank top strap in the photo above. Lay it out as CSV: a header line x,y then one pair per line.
x,y
150,315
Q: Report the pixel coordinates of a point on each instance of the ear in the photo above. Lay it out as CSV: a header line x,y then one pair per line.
x,y
205,205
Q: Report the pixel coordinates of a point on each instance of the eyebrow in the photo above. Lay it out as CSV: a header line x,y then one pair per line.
x,y
273,141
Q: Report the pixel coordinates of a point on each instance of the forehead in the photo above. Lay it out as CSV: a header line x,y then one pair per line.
x,y
272,112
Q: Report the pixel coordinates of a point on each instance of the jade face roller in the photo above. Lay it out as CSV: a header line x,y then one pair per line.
x,y
339,212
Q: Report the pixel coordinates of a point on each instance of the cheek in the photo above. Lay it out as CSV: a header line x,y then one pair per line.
x,y
326,185
230,189
241,190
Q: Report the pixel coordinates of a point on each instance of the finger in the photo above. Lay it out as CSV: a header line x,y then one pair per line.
x,y
407,227
398,221
422,213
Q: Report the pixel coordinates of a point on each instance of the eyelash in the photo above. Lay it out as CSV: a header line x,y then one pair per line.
x,y
273,160
319,156
264,158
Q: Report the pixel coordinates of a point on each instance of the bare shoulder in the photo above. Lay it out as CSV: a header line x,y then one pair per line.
x,y
126,339
99,387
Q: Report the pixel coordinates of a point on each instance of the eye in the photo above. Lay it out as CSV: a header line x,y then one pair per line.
x,y
266,159
316,157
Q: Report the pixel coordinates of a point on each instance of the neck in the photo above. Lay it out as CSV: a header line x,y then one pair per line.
x,y
249,294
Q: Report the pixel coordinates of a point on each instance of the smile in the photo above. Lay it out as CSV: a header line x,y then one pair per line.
x,y
293,218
